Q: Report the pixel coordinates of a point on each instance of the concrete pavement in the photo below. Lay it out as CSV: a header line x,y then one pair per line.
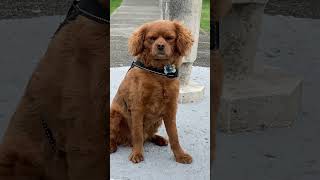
x,y
22,44
291,44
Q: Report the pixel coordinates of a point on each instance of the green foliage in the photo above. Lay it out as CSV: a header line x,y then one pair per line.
x,y
205,16
114,4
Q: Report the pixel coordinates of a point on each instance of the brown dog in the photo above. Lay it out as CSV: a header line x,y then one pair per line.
x,y
145,99
66,93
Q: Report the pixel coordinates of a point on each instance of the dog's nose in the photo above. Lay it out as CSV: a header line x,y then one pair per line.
x,y
160,47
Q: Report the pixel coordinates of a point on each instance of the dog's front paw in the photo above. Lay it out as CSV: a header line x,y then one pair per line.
x,y
183,158
136,157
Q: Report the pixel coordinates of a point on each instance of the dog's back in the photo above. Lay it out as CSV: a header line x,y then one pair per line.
x,y
67,91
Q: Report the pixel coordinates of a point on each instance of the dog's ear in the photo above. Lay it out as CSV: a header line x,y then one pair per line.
x,y
136,40
184,39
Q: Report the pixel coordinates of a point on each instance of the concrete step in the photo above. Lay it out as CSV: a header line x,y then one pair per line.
x,y
140,2
136,13
125,33
204,37
204,46
135,16
116,46
204,54
124,26
269,98
138,8
117,39
130,21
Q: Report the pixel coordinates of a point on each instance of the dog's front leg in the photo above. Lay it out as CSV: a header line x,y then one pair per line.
x,y
171,128
136,155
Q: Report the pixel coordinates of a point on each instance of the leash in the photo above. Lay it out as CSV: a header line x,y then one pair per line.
x,y
168,71
49,134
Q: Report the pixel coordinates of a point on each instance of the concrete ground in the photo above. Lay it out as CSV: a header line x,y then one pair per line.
x,y
291,44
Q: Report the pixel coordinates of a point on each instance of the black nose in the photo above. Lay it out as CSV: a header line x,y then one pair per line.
x,y
160,47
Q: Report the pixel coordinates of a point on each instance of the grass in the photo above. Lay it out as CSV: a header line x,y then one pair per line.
x,y
205,16
114,4
205,13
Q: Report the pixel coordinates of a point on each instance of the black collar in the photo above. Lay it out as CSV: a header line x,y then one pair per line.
x,y
93,10
165,71
88,8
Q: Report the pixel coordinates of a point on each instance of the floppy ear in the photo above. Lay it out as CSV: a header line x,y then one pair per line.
x,y
135,43
184,39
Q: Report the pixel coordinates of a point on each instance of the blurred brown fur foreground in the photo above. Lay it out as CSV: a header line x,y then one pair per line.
x,y
67,91
220,8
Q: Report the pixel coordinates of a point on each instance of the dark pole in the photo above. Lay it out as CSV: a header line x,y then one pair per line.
x,y
219,8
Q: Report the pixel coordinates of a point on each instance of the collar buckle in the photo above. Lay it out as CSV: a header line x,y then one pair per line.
x,y
168,70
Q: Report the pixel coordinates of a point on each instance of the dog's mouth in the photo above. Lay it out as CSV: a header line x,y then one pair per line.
x,y
161,56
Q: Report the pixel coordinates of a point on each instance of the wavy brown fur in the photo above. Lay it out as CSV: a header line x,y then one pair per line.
x,y
68,90
145,100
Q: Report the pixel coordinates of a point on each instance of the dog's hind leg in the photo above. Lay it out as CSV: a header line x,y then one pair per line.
x,y
115,120
159,140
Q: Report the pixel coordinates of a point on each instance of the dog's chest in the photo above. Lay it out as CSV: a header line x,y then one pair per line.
x,y
160,99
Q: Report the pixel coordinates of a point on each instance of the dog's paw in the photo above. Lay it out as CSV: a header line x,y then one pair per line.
x,y
184,158
136,157
159,140
113,147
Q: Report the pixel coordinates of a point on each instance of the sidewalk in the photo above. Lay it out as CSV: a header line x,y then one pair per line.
x,y
130,15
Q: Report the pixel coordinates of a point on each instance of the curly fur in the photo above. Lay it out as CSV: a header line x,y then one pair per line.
x,y
144,100
68,90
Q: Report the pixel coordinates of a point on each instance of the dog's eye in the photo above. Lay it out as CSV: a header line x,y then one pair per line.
x,y
169,38
152,38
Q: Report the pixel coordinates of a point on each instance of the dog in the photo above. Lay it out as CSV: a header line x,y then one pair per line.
x,y
58,129
147,97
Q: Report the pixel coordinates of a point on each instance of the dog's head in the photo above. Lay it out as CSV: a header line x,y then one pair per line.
x,y
161,40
